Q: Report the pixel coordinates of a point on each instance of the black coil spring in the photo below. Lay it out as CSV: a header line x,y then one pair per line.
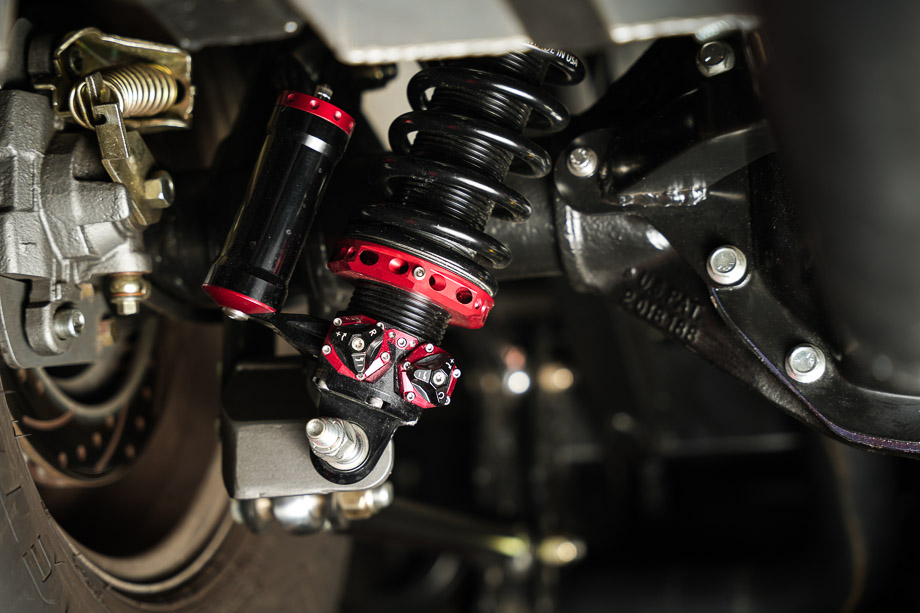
x,y
443,187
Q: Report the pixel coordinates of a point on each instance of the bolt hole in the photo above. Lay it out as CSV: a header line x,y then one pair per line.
x,y
399,266
464,296
437,282
369,258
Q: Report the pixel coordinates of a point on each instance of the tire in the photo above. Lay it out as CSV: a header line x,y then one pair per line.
x,y
43,570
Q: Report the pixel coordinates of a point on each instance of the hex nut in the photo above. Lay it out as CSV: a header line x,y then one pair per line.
x,y
159,190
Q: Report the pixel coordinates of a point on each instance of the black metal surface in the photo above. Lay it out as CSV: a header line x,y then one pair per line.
x,y
850,138
695,169
665,133
264,244
448,181
413,314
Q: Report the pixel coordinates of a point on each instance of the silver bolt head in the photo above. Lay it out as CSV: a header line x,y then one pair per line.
x,y
327,349
360,376
401,342
806,363
418,272
439,378
582,162
357,343
337,321
410,396
385,356
68,323
391,334
726,265
231,313
323,92
429,347
456,373
714,58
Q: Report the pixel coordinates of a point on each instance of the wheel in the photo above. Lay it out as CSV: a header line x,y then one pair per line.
x,y
119,505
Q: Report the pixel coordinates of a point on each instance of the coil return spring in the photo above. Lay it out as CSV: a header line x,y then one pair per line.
x,y
443,187
140,90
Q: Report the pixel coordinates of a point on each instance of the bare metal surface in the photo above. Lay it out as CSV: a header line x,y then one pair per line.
x,y
372,32
63,223
632,20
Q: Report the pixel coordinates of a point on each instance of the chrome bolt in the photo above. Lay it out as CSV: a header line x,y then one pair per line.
x,y
360,376
385,356
363,504
715,58
456,373
726,265
337,321
429,347
401,343
439,378
805,363
381,325
357,343
391,334
127,290
327,349
68,322
410,396
418,272
338,442
304,514
582,162
406,365
323,92
234,314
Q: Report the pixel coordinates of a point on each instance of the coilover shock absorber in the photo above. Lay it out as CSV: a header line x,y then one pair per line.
x,y
421,261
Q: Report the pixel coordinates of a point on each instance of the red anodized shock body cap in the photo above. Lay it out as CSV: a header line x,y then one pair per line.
x,y
319,107
235,300
467,303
